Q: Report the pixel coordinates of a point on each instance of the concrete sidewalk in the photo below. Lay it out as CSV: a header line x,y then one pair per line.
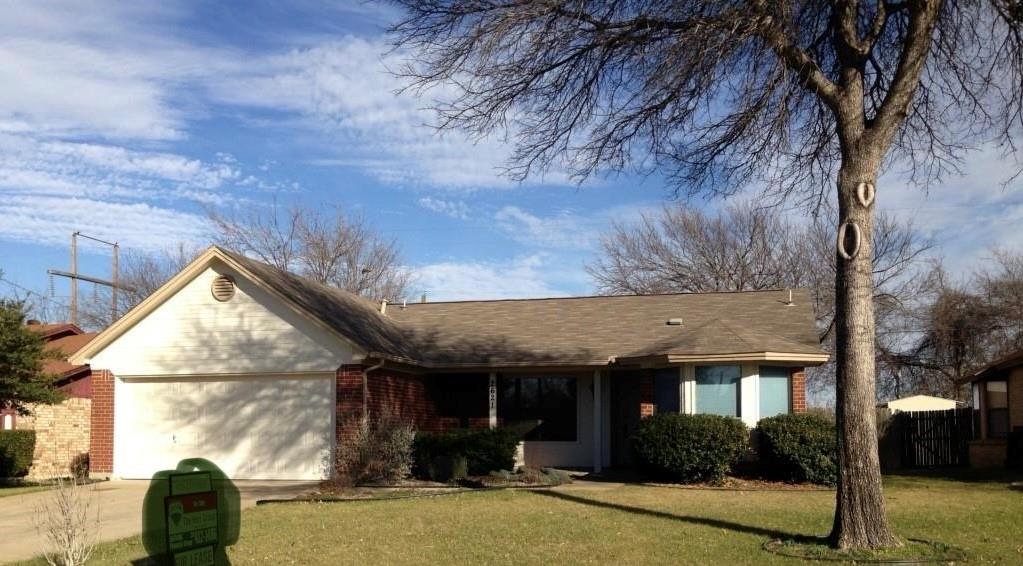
x,y
120,508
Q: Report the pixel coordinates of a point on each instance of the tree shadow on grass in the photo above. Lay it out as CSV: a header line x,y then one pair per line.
x,y
705,521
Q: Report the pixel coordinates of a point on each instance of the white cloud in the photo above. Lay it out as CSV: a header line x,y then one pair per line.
x,y
51,220
453,208
966,215
523,277
58,168
345,90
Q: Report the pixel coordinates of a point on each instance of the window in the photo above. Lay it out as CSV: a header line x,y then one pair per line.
x,y
8,422
462,396
547,402
997,407
667,394
717,390
775,393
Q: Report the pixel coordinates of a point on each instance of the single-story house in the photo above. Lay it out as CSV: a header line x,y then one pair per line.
x,y
262,371
61,341
998,406
915,403
61,430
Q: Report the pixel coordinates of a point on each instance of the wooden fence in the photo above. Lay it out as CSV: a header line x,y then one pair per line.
x,y
933,439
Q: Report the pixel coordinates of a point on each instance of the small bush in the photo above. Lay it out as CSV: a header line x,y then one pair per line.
x,y
799,448
690,448
16,450
454,454
379,451
79,466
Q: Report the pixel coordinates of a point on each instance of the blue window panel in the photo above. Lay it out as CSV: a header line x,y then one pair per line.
x,y
775,393
666,390
717,390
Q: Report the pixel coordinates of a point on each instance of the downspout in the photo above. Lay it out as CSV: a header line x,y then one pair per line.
x,y
365,389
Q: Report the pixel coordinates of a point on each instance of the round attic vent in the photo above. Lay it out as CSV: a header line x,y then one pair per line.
x,y
223,288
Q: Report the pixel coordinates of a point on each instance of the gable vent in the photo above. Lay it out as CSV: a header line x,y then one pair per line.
x,y
223,288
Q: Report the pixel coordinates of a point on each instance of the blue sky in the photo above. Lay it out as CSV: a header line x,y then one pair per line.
x,y
125,119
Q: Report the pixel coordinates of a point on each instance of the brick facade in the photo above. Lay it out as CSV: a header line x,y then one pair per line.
x,y
798,385
396,394
101,451
62,433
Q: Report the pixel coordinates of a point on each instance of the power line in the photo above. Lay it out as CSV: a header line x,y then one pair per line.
x,y
31,293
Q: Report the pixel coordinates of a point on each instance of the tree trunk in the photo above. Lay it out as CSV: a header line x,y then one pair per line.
x,y
860,518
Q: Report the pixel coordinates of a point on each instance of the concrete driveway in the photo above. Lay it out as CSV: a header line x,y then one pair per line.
x,y
120,509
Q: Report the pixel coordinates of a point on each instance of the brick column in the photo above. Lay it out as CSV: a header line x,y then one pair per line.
x,y
101,423
349,399
798,384
646,395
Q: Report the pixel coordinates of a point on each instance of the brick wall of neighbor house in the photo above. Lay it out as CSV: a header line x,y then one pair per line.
x,y
1016,397
798,384
101,450
62,432
646,395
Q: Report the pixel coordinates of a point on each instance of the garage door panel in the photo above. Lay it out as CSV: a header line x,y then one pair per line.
x,y
252,428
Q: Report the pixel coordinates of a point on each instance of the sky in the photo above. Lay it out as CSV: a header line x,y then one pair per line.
x,y
127,120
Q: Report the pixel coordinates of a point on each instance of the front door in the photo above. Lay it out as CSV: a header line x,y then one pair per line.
x,y
625,400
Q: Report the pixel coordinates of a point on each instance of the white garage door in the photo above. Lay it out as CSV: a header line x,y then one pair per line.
x,y
251,427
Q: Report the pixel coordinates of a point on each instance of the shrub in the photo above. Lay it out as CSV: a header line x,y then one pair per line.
x,y
79,466
690,448
799,448
16,450
379,451
454,454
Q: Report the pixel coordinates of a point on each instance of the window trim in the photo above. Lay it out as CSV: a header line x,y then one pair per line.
x,y
986,409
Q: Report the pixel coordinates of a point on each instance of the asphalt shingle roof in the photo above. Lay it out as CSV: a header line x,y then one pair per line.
x,y
576,330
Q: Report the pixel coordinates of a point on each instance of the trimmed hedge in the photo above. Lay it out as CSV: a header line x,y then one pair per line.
x,y
799,448
16,450
454,454
690,448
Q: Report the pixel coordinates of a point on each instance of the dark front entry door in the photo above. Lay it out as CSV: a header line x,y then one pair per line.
x,y
625,399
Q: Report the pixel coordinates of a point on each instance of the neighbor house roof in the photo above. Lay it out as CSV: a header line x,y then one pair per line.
x,y
994,368
759,325
63,339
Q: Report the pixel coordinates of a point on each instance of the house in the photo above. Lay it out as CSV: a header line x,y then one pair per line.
x,y
262,371
998,405
915,403
62,429
61,340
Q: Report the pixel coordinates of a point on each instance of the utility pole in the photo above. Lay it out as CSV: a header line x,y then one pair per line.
x,y
74,276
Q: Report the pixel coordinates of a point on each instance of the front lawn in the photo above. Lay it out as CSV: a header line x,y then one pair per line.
x,y
600,524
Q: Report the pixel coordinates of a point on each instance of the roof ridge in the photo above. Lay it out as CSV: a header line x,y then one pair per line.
x,y
623,296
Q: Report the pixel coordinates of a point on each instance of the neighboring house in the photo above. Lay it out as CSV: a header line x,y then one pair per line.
x,y
62,429
998,405
62,340
262,371
915,403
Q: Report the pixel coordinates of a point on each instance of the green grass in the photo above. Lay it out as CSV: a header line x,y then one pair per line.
x,y
8,490
631,524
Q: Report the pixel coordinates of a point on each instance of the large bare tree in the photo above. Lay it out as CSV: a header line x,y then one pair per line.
x,y
790,97
332,247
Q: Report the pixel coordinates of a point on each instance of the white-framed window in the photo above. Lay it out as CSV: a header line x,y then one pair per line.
x,y
775,391
717,390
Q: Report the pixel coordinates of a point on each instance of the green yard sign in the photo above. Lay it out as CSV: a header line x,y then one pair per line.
x,y
190,515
